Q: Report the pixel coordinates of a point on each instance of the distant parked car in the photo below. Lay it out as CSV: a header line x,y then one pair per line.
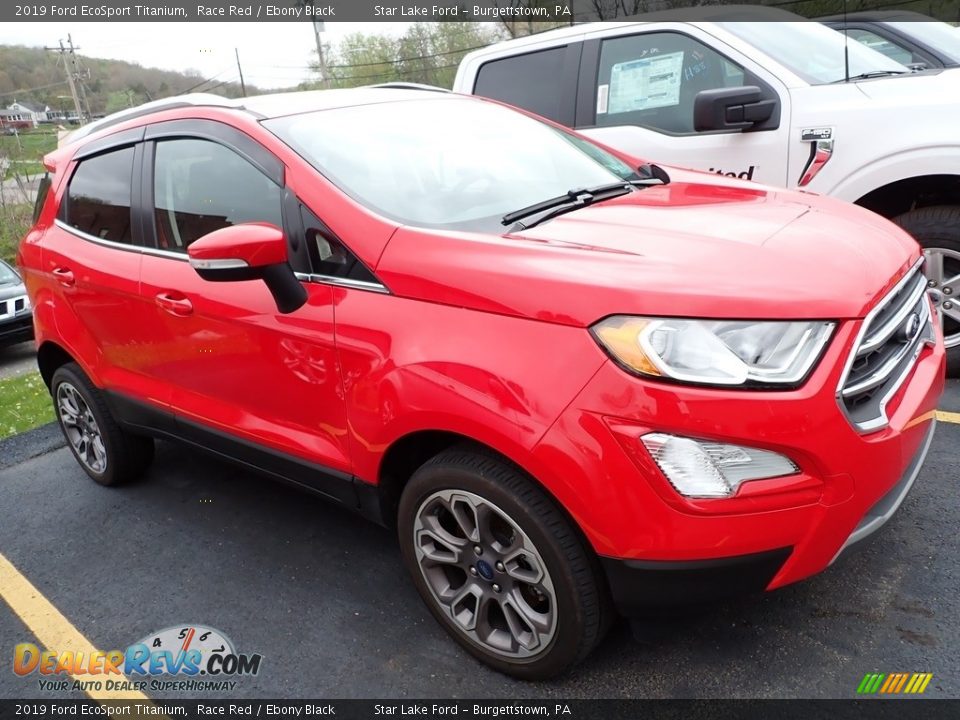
x,y
909,38
16,315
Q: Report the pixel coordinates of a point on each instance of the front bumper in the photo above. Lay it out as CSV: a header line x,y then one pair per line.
x,y
16,330
849,485
638,586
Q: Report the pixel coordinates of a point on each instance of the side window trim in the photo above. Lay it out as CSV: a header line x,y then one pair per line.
x,y
590,76
299,235
119,141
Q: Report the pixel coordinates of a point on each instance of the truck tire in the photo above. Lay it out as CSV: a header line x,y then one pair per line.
x,y
937,229
499,566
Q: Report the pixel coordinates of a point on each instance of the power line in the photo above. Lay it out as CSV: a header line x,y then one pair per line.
x,y
391,73
34,89
397,61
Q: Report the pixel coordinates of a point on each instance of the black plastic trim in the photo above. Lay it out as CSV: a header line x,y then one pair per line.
x,y
343,488
110,142
638,586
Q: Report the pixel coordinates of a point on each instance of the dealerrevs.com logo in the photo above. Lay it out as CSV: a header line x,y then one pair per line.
x,y
184,658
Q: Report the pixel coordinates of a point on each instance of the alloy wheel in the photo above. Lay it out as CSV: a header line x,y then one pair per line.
x,y
81,428
485,573
942,269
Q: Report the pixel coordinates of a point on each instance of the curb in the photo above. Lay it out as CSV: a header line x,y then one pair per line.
x,y
17,449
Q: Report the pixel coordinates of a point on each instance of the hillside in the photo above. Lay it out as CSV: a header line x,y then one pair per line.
x,y
33,75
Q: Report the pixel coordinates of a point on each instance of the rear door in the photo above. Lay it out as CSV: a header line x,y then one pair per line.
x,y
238,369
91,264
636,93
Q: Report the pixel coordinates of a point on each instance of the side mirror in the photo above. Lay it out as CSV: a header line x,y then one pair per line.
x,y
251,251
736,108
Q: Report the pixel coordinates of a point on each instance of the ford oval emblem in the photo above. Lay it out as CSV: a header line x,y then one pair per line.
x,y
910,327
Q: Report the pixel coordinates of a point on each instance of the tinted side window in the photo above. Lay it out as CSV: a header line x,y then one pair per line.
x,y
328,255
883,45
42,191
532,82
98,197
651,80
202,186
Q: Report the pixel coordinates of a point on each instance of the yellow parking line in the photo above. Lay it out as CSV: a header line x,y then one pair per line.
x,y
49,625
950,417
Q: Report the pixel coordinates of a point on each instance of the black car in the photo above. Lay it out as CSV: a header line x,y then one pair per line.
x,y
909,38
16,315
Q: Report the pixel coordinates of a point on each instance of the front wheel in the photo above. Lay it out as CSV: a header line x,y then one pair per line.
x,y
499,566
937,229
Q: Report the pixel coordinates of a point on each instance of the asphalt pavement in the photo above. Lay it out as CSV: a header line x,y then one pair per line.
x,y
322,595
16,360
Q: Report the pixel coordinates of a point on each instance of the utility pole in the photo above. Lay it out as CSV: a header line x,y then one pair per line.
x,y
71,67
318,28
243,86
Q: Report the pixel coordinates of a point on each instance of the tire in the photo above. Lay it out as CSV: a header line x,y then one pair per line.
x,y
83,416
554,621
937,229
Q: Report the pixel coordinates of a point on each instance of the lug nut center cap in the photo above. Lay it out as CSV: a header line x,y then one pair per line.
x,y
485,569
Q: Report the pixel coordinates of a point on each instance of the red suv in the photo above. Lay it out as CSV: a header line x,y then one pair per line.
x,y
573,382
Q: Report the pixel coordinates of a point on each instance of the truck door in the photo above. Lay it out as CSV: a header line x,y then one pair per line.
x,y
636,93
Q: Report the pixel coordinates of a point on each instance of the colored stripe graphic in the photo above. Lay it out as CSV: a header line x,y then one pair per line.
x,y
894,683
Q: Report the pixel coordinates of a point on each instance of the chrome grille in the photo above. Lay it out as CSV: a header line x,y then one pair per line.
x,y
892,336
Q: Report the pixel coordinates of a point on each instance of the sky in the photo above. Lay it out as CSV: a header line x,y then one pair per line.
x,y
272,54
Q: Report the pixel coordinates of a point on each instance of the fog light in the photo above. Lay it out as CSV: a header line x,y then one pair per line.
x,y
703,469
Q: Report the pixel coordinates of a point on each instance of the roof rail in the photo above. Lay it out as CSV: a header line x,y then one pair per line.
x,y
409,86
170,103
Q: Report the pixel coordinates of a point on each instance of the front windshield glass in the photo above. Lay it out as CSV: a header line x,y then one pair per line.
x,y
7,275
943,38
445,162
811,50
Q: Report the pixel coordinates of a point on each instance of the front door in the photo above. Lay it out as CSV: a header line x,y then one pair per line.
x,y
642,88
237,367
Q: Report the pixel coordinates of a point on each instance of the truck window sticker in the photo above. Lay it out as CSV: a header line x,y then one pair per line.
x,y
646,83
603,92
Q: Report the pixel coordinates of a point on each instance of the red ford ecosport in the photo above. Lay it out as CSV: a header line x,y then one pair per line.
x,y
572,382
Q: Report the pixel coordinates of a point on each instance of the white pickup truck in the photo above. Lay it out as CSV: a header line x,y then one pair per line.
x,y
771,102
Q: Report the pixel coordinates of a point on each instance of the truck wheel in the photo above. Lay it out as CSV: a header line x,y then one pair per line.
x,y
499,566
107,453
937,229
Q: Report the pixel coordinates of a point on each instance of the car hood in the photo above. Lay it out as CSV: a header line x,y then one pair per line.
x,y
701,246
17,289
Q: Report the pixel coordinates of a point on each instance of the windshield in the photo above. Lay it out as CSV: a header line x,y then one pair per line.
x,y
445,162
811,50
7,275
943,38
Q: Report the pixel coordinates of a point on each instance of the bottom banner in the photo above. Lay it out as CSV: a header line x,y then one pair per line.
x,y
894,709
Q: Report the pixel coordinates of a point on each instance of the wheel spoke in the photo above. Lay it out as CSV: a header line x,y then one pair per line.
x,y
525,624
524,567
466,606
439,546
933,267
466,515
951,286
953,312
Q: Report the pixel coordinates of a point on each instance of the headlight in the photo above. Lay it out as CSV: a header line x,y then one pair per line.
x,y
703,469
715,352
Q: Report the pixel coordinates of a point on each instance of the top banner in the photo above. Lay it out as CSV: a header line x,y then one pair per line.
x,y
554,11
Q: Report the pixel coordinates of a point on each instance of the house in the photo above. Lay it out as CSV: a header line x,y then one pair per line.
x,y
11,120
35,112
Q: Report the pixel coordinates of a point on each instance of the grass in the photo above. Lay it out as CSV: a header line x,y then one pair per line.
x,y
15,220
33,145
24,404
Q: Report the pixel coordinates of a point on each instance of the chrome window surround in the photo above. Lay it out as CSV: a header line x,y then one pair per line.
x,y
183,257
869,339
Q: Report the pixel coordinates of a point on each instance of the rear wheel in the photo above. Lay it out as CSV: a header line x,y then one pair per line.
x,y
107,453
499,566
937,229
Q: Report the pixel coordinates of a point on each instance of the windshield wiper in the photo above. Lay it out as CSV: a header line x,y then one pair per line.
x,y
582,197
872,74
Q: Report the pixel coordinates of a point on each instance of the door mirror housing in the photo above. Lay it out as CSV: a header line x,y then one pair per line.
x,y
738,108
250,251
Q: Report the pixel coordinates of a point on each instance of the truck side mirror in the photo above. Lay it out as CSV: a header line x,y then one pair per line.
x,y
737,108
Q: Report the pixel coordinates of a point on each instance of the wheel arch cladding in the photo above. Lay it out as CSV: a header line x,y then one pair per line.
x,y
51,356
